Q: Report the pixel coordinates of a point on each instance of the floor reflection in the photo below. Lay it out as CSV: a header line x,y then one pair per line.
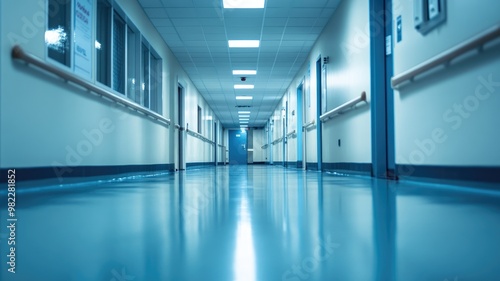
x,y
254,223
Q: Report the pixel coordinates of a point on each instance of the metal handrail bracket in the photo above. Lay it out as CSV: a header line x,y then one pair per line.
x,y
343,108
19,54
447,56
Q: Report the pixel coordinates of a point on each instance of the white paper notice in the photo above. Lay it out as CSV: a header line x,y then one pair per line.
x,y
83,38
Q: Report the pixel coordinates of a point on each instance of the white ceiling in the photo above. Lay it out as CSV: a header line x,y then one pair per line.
x,y
197,32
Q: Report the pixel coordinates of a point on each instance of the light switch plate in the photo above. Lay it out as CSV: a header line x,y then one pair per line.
x,y
433,8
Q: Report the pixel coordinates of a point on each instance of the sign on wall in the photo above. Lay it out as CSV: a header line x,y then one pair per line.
x,y
83,38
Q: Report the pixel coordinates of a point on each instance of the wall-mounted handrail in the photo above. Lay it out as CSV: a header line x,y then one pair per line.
x,y
199,136
278,140
447,56
19,54
309,125
177,126
291,134
265,146
343,108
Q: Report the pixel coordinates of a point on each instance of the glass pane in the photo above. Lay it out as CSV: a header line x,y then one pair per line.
x,y
132,79
58,33
145,75
103,43
154,83
118,54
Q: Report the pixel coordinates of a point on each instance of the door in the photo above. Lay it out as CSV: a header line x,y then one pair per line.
x,y
285,132
180,107
319,138
382,96
300,122
216,145
237,147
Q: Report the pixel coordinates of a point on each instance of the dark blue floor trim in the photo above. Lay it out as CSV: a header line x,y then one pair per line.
x,y
259,163
299,164
363,168
450,173
199,164
291,164
39,173
312,166
278,163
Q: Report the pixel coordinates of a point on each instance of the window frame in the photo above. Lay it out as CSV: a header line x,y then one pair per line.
x,y
200,118
102,74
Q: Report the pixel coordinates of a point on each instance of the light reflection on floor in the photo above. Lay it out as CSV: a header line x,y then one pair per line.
x,y
254,223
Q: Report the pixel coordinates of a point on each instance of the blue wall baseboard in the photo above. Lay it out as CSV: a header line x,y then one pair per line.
x,y
357,168
450,173
199,165
259,163
40,173
313,166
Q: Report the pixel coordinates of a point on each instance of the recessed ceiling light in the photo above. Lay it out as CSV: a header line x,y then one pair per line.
x,y
244,97
243,126
243,86
243,4
243,122
244,43
244,116
244,119
244,72
243,112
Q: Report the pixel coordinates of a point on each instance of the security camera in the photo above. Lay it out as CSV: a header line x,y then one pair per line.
x,y
243,79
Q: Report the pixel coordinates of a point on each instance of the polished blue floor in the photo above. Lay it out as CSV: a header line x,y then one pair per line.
x,y
254,223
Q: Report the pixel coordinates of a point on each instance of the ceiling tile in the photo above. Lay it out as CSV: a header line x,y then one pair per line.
x,y
197,32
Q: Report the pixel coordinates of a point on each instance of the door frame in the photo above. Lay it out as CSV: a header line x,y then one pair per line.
x,y
382,94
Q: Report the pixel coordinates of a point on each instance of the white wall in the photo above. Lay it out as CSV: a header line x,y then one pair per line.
x,y
198,151
277,132
344,41
43,117
291,147
450,116
259,139
348,75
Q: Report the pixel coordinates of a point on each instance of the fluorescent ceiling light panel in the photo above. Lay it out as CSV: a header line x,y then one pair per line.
x,y
244,97
244,72
244,116
243,4
243,86
244,119
244,43
243,112
243,122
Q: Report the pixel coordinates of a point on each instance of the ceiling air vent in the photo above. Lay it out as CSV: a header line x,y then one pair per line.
x,y
243,106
